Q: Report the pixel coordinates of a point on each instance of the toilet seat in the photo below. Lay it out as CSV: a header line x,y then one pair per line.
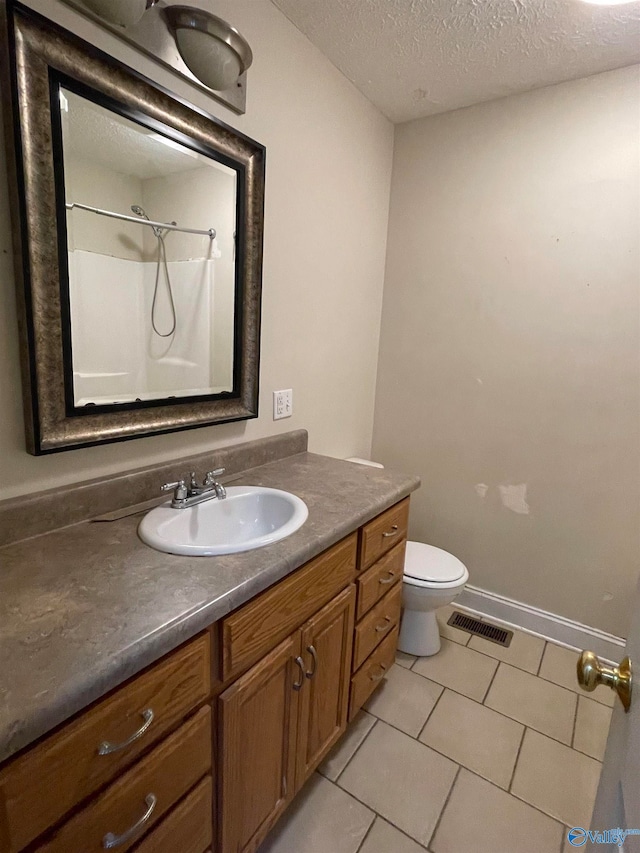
x,y
431,567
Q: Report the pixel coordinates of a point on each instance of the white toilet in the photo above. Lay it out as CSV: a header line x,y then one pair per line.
x,y
432,578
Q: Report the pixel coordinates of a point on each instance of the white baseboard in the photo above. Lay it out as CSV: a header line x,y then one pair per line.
x,y
550,626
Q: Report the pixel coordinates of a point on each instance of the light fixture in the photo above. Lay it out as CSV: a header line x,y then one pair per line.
x,y
123,13
211,48
192,43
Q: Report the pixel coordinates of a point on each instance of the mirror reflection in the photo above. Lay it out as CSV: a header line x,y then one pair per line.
x,y
151,230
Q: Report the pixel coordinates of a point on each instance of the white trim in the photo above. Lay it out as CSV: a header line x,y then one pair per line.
x,y
532,620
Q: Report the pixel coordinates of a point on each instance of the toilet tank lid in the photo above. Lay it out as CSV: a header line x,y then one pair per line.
x,y
428,563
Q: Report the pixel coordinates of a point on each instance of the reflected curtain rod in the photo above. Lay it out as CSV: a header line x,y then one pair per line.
x,y
211,232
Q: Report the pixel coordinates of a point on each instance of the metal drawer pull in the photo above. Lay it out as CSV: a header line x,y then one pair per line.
x,y
106,748
389,579
297,685
381,676
384,626
394,531
314,658
110,840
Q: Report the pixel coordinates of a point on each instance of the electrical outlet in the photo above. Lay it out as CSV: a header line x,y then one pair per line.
x,y
282,404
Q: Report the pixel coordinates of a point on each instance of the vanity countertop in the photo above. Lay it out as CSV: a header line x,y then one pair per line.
x,y
85,607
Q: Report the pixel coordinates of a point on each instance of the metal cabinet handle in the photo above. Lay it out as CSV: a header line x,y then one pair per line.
x,y
106,748
389,579
314,658
111,840
384,625
381,676
394,532
297,685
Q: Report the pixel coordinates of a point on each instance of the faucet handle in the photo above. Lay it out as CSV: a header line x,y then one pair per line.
x,y
211,476
178,488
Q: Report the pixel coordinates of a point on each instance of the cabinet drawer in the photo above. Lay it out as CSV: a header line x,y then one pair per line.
x,y
376,625
253,630
380,535
187,828
39,787
377,581
166,774
372,671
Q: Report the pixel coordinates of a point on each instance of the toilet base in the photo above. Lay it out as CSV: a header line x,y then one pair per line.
x,y
419,633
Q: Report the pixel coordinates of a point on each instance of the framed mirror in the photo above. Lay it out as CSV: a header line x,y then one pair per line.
x,y
138,236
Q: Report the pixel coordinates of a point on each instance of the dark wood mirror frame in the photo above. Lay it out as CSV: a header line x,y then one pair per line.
x,y
35,52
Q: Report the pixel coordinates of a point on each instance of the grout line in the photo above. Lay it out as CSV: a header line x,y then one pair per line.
x,y
357,749
442,755
519,799
575,723
513,772
538,809
377,814
544,651
430,714
366,835
495,711
493,677
444,806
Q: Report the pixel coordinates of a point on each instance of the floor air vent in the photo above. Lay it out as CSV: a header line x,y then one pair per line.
x,y
480,629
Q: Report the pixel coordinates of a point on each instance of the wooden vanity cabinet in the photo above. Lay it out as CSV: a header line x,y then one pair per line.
x,y
279,720
215,739
106,748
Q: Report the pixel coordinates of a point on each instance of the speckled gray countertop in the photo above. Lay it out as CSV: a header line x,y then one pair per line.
x,y
85,607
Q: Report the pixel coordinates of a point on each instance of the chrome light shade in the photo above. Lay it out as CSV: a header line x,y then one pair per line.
x,y
212,49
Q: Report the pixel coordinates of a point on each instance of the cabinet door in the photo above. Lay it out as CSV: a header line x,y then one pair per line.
x,y
258,722
327,640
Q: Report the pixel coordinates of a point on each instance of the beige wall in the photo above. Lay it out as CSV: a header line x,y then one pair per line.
x,y
328,170
96,185
509,360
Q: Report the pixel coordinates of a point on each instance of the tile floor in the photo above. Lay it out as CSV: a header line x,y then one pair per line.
x,y
480,749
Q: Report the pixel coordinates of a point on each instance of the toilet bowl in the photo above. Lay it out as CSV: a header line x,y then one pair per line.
x,y
432,578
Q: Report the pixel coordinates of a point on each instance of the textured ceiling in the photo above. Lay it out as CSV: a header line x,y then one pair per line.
x,y
93,132
414,58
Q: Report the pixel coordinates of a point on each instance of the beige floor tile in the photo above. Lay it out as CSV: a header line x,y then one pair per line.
x,y
525,650
459,668
539,704
559,666
339,757
405,660
556,779
384,838
475,736
592,727
401,779
323,817
404,700
447,631
480,818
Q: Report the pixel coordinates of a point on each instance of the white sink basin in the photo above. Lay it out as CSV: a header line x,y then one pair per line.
x,y
249,517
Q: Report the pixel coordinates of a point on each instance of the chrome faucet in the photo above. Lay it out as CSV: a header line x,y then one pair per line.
x,y
185,496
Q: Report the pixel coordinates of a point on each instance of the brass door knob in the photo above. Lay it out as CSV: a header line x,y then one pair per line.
x,y
591,673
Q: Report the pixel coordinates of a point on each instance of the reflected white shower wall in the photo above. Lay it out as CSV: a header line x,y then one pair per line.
x,y
111,300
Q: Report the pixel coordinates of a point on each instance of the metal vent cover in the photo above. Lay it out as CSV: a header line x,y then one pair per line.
x,y
481,629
